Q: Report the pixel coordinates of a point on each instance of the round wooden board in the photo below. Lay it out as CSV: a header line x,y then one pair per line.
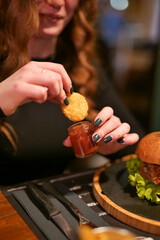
x,y
124,214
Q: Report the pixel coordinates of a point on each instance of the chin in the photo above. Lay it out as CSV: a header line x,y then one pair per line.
x,y
52,32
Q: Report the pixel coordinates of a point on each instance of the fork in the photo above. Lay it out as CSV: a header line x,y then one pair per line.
x,y
82,220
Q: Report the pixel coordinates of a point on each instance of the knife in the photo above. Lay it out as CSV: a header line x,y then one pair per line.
x,y
51,189
45,205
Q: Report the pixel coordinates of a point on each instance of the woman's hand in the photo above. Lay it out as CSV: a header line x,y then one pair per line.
x,y
36,81
110,134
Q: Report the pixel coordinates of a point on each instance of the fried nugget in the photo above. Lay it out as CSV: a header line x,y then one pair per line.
x,y
77,110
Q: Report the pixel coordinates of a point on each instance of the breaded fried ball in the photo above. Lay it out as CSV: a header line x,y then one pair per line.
x,y
77,110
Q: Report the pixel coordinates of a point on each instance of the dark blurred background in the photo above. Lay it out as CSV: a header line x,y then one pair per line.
x,y
129,47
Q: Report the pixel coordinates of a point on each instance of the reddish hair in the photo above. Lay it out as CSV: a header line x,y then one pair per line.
x,y
18,23
75,49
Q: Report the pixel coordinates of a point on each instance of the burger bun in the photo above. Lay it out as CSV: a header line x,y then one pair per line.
x,y
148,148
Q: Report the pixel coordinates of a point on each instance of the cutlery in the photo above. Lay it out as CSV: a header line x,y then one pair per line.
x,y
45,205
51,189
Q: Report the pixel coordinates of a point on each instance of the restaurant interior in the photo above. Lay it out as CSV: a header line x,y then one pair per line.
x,y
128,43
130,52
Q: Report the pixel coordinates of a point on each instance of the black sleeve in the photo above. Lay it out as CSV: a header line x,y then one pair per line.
x,y
8,142
107,96
2,115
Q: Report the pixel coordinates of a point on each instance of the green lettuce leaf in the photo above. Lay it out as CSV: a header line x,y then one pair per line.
x,y
145,189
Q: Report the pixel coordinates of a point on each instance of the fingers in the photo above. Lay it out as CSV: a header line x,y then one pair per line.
x,y
35,93
59,69
118,133
105,122
67,142
131,138
53,82
35,81
22,93
53,76
103,115
114,146
110,129
31,92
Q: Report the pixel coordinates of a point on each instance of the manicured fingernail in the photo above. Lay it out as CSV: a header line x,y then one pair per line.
x,y
121,140
96,137
66,102
97,122
71,90
108,139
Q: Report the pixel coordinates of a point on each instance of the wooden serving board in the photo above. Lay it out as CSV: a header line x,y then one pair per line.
x,y
119,199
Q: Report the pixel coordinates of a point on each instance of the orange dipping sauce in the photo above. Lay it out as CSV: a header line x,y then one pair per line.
x,y
81,139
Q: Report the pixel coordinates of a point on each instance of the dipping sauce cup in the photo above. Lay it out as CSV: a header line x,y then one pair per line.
x,y
81,139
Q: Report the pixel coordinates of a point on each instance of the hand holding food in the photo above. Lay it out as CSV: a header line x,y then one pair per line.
x,y
109,133
35,81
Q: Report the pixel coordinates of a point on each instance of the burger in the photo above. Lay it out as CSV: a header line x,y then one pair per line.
x,y
144,168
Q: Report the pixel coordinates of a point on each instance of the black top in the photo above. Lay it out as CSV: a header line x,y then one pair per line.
x,y
41,130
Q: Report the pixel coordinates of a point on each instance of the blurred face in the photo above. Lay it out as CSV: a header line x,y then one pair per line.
x,y
55,15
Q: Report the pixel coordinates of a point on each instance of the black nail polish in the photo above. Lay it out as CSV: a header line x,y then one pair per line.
x,y
66,102
71,90
107,139
121,140
97,122
96,137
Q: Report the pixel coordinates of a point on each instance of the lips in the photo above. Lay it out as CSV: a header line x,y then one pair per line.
x,y
51,17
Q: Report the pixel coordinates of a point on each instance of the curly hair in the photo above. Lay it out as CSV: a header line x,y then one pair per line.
x,y
75,48
76,51
18,23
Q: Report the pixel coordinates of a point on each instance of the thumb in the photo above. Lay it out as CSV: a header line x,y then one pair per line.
x,y
67,142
